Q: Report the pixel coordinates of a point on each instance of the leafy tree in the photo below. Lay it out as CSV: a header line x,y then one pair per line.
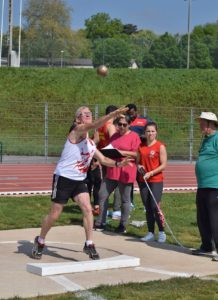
x,y
114,53
208,35
81,47
165,51
141,44
47,26
102,26
148,60
130,29
200,56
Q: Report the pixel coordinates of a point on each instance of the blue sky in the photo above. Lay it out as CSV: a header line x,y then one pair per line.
x,y
156,15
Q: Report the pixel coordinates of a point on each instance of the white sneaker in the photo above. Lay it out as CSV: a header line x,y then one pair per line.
x,y
162,237
149,237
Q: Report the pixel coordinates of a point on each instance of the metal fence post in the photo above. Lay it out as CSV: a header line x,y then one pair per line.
x,y
46,132
191,135
96,111
145,111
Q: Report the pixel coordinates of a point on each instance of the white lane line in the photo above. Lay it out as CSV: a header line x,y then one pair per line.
x,y
176,188
164,272
71,286
86,295
17,193
66,283
8,178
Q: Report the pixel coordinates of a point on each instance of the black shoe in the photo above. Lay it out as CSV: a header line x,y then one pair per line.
x,y
37,249
91,251
120,229
201,251
99,227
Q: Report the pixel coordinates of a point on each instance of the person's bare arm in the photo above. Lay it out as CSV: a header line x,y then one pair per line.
x,y
108,162
96,137
111,130
132,154
99,122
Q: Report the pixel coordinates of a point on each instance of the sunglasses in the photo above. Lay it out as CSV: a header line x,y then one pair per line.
x,y
122,124
87,114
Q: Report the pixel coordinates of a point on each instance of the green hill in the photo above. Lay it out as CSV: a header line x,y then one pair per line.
x,y
38,104
148,87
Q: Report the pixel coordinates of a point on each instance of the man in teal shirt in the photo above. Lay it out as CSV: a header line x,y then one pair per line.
x,y
206,170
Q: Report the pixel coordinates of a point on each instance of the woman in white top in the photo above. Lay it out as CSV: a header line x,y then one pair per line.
x,y
70,173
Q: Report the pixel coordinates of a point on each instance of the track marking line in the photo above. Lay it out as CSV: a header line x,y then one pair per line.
x,y
9,178
86,295
68,285
45,192
164,272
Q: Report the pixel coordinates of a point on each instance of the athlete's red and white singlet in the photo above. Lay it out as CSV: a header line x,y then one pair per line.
x,y
75,159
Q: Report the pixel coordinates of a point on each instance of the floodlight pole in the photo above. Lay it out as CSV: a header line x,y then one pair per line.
x,y
62,58
20,24
10,23
188,47
2,22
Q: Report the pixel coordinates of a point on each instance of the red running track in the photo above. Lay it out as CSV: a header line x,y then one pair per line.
x,y
21,179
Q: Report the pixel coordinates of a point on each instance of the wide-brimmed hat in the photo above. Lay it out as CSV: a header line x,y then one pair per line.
x,y
208,116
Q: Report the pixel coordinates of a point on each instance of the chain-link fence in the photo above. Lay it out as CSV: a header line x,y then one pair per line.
x,y
41,129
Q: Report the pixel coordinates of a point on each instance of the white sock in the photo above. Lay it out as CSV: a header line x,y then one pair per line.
x,y
89,242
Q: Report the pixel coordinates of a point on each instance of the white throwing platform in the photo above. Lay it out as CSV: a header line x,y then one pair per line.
x,y
45,269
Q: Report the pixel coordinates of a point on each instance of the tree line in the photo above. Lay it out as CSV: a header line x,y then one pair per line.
x,y
47,34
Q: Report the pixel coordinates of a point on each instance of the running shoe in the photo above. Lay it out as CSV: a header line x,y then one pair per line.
x,y
121,229
91,251
161,237
37,249
149,237
99,227
201,252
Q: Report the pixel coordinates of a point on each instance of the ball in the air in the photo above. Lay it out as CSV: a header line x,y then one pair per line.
x,y
102,70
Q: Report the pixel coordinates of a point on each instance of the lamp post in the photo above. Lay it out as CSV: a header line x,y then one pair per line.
x,y
188,46
62,58
10,23
20,24
2,22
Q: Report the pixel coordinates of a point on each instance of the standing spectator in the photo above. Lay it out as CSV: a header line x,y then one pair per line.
x,y
127,142
96,172
137,125
138,122
206,170
152,160
70,174
107,130
105,133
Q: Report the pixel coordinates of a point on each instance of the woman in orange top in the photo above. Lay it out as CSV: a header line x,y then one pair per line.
x,y
152,160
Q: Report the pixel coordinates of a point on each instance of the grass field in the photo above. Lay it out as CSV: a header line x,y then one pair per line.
x,y
179,210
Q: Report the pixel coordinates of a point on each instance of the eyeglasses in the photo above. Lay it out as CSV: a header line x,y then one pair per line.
x,y
86,114
122,124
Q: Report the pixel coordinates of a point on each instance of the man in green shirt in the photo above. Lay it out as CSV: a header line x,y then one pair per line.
x,y
206,170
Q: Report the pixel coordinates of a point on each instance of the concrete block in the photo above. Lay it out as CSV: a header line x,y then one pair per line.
x,y
45,269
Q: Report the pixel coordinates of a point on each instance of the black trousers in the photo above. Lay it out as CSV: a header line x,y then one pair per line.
x,y
153,213
93,182
207,217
